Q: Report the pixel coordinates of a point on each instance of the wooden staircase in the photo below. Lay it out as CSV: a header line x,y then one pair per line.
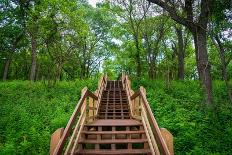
x,y
114,102
114,120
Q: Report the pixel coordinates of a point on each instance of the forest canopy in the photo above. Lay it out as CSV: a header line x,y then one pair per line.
x,y
65,40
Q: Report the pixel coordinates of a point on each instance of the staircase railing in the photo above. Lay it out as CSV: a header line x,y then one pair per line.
x,y
86,109
141,110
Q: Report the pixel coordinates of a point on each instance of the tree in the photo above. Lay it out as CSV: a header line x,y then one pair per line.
x,y
219,26
194,16
12,19
154,30
133,13
179,33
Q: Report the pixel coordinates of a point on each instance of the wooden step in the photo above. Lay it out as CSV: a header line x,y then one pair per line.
x,y
114,112
112,141
118,151
115,122
113,132
112,117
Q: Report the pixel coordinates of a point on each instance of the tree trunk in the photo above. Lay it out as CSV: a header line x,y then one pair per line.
x,y
59,71
223,65
152,70
150,58
203,66
138,57
6,69
8,61
180,53
34,57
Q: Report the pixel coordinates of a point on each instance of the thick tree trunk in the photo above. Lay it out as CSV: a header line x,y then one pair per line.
x,y
180,53
6,69
203,66
34,58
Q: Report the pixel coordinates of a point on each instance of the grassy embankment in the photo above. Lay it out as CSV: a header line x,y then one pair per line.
x,y
31,112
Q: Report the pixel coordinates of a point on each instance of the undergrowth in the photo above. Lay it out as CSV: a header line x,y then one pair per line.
x,y
198,129
31,112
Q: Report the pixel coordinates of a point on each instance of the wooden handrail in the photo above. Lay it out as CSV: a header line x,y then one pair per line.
x,y
136,94
154,125
101,87
92,95
85,94
60,145
163,149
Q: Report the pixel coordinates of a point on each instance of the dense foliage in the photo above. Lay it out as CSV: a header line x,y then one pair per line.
x,y
196,129
31,112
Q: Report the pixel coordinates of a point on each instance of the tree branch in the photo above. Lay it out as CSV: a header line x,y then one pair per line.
x,y
172,12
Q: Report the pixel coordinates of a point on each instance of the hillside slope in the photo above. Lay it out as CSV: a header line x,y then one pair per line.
x,y
31,112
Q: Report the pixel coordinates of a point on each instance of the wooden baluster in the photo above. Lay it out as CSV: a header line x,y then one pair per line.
x,y
91,110
137,106
113,146
97,146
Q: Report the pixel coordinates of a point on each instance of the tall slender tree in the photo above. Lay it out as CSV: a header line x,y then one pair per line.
x,y
195,16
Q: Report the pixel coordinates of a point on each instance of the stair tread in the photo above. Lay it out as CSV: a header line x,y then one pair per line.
x,y
113,132
115,122
118,151
112,141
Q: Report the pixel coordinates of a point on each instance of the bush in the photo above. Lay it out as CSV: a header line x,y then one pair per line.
x,y
197,128
31,112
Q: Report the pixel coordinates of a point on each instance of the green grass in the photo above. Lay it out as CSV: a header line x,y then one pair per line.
x,y
31,112
180,108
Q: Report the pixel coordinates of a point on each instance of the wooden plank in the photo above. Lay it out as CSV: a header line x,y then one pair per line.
x,y
113,132
75,132
111,141
113,146
97,146
92,95
92,108
157,133
115,122
137,93
91,112
78,134
168,137
55,139
115,152
128,137
151,140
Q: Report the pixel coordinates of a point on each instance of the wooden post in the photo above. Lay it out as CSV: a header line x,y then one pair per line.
x,y
168,138
143,90
55,139
84,103
91,108
100,82
83,90
136,106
